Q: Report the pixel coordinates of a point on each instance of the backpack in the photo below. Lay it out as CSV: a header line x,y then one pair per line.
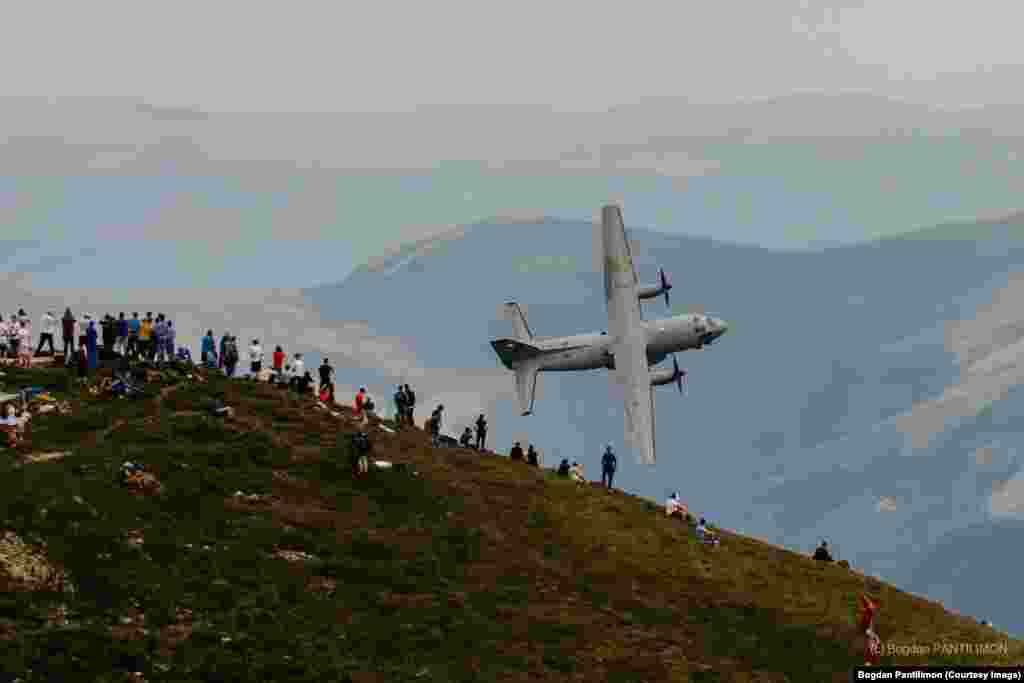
x,y
230,352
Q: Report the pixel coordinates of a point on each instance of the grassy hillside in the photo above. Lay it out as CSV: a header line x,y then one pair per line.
x,y
461,567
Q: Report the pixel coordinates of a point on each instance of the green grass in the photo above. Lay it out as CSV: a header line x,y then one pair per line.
x,y
471,568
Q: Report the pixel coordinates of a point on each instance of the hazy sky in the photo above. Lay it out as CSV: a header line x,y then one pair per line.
x,y
310,56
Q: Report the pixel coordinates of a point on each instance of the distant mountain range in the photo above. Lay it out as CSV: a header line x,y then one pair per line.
x,y
791,429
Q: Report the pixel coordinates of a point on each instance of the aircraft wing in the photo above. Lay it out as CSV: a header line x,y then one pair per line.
x,y
628,339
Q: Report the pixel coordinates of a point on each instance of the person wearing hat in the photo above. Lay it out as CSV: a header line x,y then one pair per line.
x,y
47,328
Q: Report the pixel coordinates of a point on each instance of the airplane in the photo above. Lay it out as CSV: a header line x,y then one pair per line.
x,y
630,348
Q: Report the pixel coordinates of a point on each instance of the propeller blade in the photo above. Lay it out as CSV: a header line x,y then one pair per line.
x,y
678,375
665,286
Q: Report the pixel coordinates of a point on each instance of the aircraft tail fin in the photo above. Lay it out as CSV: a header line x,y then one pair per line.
x,y
520,330
526,386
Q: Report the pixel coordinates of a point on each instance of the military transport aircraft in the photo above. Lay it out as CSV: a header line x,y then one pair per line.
x,y
629,348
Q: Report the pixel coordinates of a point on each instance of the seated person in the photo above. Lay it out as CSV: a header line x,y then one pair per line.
x,y
577,472
517,452
822,554
675,507
704,534
563,468
532,457
466,440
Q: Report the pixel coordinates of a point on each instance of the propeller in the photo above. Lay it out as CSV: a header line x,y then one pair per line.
x,y
680,375
665,285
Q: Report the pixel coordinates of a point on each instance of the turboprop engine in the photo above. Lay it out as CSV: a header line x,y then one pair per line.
x,y
651,291
661,377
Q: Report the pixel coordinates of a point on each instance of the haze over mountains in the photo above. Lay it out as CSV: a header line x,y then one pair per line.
x,y
848,400
798,421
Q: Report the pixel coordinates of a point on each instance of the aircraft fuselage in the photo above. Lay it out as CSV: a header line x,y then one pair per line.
x,y
592,350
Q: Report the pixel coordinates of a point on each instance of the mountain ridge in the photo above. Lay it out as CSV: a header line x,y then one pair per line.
x,y
295,570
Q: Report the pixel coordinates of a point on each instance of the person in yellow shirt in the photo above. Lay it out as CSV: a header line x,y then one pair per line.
x,y
146,336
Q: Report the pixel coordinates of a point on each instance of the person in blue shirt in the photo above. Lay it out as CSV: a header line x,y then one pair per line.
x,y
133,335
209,350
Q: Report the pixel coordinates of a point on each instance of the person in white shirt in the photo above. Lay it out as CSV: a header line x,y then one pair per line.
x,y
24,345
255,357
48,328
298,370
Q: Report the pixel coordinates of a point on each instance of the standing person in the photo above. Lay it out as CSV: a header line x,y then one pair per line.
x,y
90,343
208,352
298,369
399,399
866,621
24,344
278,360
4,343
438,420
13,336
169,339
67,323
220,349
326,379
159,338
134,328
481,432
146,336
109,334
609,463
410,405
255,357
121,342
47,328
230,355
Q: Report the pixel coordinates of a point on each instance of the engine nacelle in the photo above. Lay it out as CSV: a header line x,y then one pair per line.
x,y
650,291
661,377
673,376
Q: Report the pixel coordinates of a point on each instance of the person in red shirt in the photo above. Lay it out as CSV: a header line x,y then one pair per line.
x,y
360,399
278,359
872,644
